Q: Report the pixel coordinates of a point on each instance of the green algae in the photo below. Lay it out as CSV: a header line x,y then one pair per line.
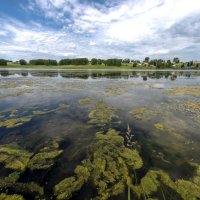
x,y
14,157
107,168
45,158
4,196
14,122
102,115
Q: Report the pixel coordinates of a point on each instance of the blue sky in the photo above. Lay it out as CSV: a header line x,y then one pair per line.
x,y
100,28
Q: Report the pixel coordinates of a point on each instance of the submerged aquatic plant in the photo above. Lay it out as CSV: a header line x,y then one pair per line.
x,y
108,168
43,112
186,90
86,101
14,157
157,179
14,122
159,126
11,182
4,196
103,115
45,158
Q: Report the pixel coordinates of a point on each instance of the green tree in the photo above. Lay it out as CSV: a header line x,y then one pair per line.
x,y
3,62
94,61
134,64
22,62
146,59
176,60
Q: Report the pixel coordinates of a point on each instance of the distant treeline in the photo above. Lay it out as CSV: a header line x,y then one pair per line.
x,y
156,63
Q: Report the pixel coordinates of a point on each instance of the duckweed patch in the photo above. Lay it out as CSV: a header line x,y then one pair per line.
x,y
108,168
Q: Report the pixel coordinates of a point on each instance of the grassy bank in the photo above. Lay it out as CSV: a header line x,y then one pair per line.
x,y
124,66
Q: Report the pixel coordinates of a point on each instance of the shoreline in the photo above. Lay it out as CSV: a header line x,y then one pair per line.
x,y
95,69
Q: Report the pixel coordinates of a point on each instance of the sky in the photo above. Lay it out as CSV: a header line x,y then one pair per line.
x,y
132,29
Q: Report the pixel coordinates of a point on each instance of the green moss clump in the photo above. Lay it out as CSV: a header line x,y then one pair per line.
x,y
14,157
14,122
102,115
107,168
159,126
44,159
10,197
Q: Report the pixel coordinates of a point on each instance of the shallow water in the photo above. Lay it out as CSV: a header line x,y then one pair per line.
x,y
37,107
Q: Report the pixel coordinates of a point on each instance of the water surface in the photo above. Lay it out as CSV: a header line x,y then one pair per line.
x,y
61,111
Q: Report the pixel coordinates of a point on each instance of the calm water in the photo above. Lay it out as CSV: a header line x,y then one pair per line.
x,y
59,112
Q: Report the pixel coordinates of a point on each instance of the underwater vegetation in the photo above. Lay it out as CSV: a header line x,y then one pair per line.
x,y
102,115
14,157
114,91
45,158
4,196
11,183
158,179
19,160
186,90
142,113
86,101
14,122
109,168
159,126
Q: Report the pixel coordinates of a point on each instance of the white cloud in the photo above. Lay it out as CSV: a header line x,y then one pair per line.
x,y
116,28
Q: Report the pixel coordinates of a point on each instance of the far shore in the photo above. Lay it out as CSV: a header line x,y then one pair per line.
x,y
91,67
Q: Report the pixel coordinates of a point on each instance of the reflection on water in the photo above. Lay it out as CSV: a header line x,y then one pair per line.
x,y
147,145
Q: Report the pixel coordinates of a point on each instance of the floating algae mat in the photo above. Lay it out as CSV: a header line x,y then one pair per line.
x,y
99,135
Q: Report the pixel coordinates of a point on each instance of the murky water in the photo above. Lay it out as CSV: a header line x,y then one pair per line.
x,y
48,126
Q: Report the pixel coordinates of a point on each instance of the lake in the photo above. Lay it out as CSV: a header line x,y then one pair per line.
x,y
96,134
